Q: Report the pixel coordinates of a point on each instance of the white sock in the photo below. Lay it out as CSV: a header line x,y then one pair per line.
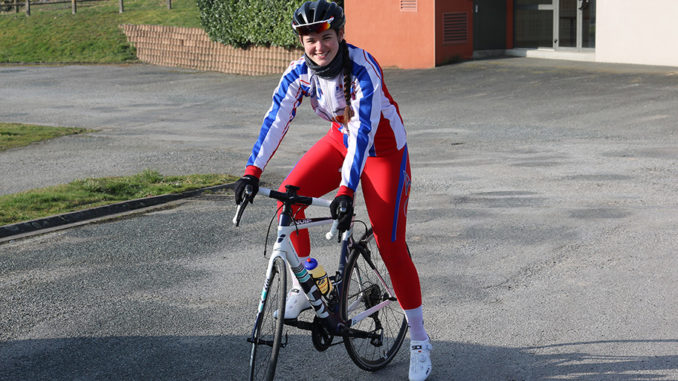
x,y
415,319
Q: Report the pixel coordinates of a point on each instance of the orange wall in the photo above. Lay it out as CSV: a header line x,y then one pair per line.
x,y
450,51
395,38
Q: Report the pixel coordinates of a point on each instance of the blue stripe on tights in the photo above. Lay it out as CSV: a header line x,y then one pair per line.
x,y
401,181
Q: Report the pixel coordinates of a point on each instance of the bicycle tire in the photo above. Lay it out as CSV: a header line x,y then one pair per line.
x,y
267,336
361,290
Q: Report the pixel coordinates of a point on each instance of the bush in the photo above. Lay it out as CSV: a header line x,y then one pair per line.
x,y
243,23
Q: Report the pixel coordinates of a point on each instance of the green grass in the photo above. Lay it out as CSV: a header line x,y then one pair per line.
x,y
92,192
13,135
53,35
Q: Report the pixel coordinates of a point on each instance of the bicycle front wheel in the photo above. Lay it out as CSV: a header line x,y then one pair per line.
x,y
367,284
267,335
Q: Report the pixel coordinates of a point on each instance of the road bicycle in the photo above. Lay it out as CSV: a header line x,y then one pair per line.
x,y
361,310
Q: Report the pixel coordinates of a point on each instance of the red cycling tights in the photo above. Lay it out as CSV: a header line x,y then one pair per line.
x,y
386,186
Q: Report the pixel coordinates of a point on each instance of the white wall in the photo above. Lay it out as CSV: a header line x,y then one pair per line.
x,y
637,32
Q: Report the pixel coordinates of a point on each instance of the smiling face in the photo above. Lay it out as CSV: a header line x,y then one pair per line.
x,y
322,47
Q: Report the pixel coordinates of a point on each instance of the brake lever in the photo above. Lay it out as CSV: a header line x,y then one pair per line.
x,y
238,213
333,231
241,207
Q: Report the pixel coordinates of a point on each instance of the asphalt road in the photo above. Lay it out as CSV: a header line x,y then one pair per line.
x,y
543,221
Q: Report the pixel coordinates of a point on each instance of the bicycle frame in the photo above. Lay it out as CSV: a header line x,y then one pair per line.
x,y
284,249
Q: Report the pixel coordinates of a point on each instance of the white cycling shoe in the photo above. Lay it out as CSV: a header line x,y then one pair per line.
x,y
420,359
296,302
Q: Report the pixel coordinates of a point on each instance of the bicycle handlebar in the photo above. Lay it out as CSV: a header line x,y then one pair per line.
x,y
294,199
285,197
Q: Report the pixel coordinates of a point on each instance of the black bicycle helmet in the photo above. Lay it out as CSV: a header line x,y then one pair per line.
x,y
317,16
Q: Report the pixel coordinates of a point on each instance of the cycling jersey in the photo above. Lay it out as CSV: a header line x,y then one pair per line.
x,y
376,128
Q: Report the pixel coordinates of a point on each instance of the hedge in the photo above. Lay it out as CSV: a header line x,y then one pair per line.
x,y
242,23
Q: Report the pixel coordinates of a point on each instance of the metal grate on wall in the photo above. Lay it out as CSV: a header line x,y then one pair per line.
x,y
408,5
455,26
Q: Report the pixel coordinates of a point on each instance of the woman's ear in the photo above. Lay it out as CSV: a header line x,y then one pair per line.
x,y
340,35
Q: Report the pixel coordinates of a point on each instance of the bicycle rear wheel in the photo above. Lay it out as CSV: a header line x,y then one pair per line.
x,y
267,335
362,289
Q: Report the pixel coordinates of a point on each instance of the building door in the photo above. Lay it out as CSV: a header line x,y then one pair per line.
x,y
559,24
489,24
533,25
574,24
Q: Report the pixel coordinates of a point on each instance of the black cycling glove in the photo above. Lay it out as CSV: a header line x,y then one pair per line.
x,y
341,209
243,183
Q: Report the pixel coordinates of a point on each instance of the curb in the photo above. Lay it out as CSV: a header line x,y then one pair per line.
x,y
7,232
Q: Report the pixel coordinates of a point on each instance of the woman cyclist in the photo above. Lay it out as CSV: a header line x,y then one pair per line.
x,y
366,144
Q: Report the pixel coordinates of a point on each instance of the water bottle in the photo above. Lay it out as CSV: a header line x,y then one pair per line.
x,y
319,275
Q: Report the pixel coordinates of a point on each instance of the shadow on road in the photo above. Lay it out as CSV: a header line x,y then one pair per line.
x,y
208,357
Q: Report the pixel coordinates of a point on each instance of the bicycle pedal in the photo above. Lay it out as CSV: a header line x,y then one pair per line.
x,y
301,324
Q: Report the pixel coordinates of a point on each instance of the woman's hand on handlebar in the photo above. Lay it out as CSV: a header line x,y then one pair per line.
x,y
246,188
342,211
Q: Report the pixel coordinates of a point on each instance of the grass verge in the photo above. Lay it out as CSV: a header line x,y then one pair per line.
x,y
13,135
92,192
51,34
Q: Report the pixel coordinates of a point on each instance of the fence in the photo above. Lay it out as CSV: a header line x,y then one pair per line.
x,y
192,48
8,5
